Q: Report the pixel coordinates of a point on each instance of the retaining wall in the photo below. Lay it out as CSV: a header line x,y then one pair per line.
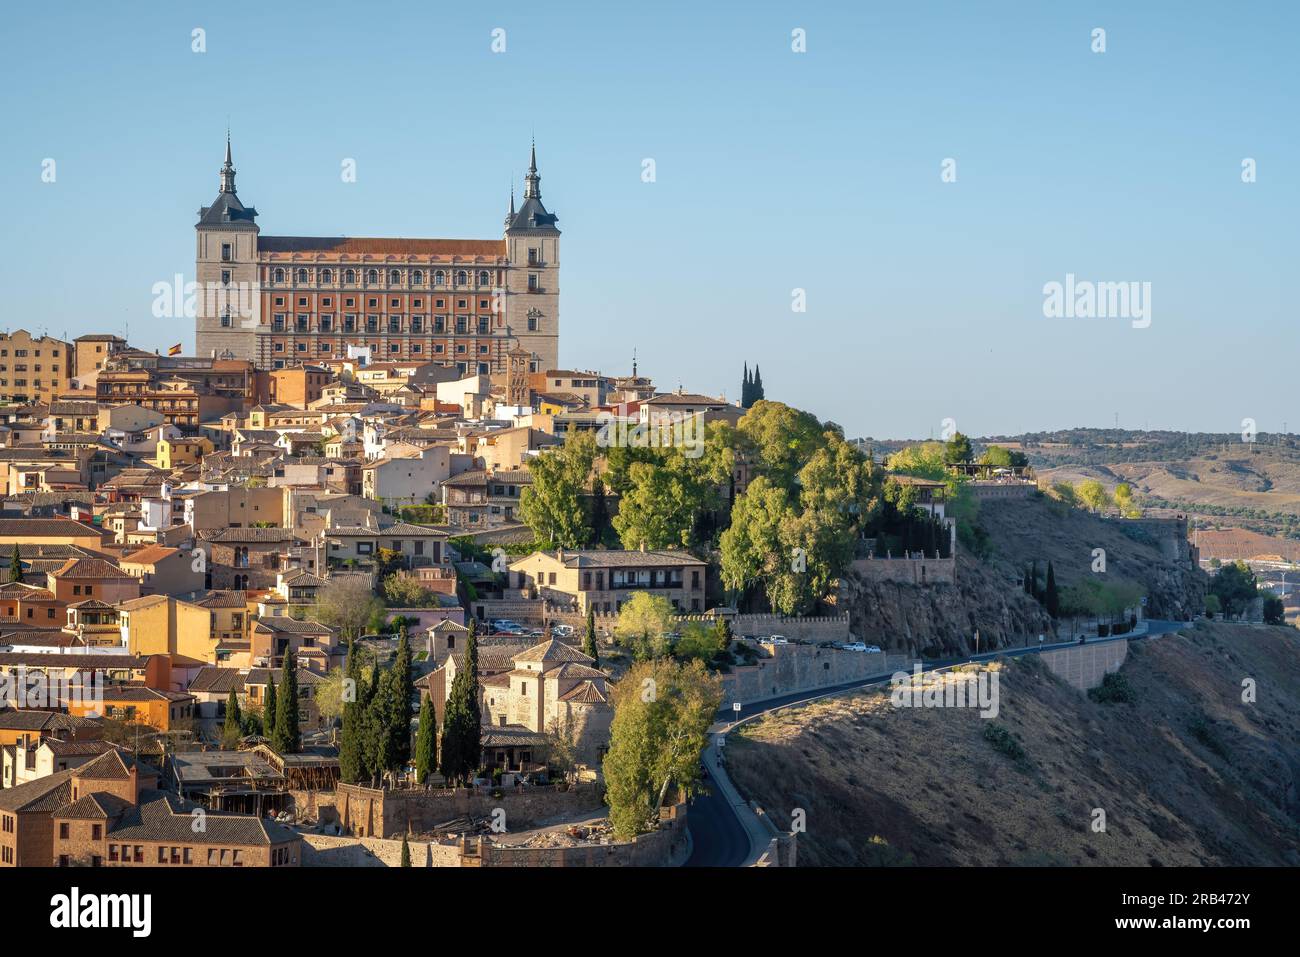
x,y
1085,666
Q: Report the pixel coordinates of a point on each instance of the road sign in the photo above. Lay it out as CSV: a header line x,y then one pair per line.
x,y
735,706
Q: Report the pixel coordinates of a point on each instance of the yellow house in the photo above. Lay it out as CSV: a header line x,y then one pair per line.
x,y
162,625
186,450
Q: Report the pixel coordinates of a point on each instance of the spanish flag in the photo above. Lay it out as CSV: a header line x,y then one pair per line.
x,y
174,350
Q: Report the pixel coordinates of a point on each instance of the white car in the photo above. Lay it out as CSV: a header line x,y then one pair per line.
x,y
856,646
775,640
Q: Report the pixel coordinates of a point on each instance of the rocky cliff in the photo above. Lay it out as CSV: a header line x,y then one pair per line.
x,y
940,620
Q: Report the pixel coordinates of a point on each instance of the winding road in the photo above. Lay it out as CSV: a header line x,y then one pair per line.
x,y
717,816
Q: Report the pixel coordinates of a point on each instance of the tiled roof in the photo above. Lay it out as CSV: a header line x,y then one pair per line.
x,y
622,558
161,817
110,766
350,246
150,555
89,568
586,693
44,794
212,680
572,669
24,720
553,650
46,528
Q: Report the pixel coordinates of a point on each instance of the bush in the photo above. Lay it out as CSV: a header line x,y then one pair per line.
x,y
1004,742
1114,689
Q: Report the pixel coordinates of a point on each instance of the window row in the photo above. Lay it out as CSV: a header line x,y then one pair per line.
x,y
460,277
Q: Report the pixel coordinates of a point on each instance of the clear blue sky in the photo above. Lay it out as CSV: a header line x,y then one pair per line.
x,y
775,170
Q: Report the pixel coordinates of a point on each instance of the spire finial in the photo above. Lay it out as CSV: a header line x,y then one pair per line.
x,y
532,182
228,169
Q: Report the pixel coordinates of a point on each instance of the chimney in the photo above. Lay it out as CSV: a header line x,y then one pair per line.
x,y
643,544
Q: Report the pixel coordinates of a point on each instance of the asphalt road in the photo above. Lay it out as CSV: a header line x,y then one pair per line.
x,y
719,839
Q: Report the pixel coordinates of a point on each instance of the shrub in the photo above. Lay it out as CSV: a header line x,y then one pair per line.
x,y
1004,742
1114,689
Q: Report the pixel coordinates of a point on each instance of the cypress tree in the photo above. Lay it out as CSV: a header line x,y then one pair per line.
x,y
1050,596
268,706
461,733
599,512
406,852
386,714
352,766
403,692
230,733
426,755
746,389
589,639
756,388
286,739
16,566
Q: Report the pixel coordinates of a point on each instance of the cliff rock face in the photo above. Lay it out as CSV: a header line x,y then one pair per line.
x,y
940,620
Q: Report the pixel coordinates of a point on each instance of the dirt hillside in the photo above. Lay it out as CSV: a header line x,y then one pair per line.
x,y
1185,772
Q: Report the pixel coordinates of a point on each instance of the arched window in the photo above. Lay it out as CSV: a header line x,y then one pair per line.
x,y
302,275
350,276
462,278
417,277
439,278
327,275
279,275
394,276
483,278
372,275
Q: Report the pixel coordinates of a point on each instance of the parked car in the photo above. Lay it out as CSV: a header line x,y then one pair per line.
x,y
775,640
562,631
873,650
854,646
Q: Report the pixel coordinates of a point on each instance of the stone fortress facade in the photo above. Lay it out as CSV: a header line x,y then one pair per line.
x,y
281,301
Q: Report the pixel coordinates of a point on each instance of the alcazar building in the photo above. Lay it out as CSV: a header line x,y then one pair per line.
x,y
285,300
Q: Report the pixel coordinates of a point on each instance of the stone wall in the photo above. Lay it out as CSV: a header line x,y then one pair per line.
x,y
798,668
371,812
1084,666
320,850
668,846
664,847
911,571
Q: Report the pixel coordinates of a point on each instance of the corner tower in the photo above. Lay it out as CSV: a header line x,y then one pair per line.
x,y
532,301
225,266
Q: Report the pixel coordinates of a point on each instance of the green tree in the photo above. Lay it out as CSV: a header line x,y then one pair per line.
x,y
1093,495
589,638
1124,501
701,642
462,721
15,565
352,763
426,742
923,460
232,730
404,692
1235,586
404,592
552,505
1051,599
347,604
662,713
1212,605
752,553
1274,611
406,852
643,621
600,521
285,737
779,440
269,710
958,450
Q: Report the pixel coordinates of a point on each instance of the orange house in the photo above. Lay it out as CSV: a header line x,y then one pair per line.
x,y
82,578
139,704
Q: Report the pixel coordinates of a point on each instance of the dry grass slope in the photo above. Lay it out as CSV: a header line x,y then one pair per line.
x,y
1187,774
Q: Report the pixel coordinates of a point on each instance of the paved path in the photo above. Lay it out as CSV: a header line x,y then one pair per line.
x,y
725,832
